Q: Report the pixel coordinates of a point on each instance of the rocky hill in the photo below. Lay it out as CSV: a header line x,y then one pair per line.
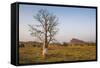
x,y
77,41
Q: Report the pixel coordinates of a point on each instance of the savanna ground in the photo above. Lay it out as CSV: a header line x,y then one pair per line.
x,y
57,53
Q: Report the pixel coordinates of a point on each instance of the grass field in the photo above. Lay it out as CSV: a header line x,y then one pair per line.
x,y
57,54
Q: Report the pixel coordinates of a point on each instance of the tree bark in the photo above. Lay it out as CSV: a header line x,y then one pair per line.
x,y
45,51
45,46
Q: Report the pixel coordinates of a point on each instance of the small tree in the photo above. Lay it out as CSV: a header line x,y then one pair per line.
x,y
46,29
65,44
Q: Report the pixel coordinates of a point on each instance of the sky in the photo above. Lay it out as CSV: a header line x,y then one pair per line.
x,y
73,22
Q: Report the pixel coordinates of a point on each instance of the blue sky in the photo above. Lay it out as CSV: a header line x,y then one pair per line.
x,y
73,22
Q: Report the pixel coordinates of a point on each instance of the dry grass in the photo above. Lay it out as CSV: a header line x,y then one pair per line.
x,y
57,53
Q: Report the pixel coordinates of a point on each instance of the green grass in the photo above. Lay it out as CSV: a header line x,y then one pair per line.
x,y
57,54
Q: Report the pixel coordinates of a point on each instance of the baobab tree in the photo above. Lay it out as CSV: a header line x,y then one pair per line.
x,y
45,29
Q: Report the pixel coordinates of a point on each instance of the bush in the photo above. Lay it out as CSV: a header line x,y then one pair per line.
x,y
65,44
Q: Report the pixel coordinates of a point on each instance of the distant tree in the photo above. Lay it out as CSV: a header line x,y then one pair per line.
x,y
46,29
65,44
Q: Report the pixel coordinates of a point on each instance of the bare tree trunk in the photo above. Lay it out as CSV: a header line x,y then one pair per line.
x,y
45,50
45,46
